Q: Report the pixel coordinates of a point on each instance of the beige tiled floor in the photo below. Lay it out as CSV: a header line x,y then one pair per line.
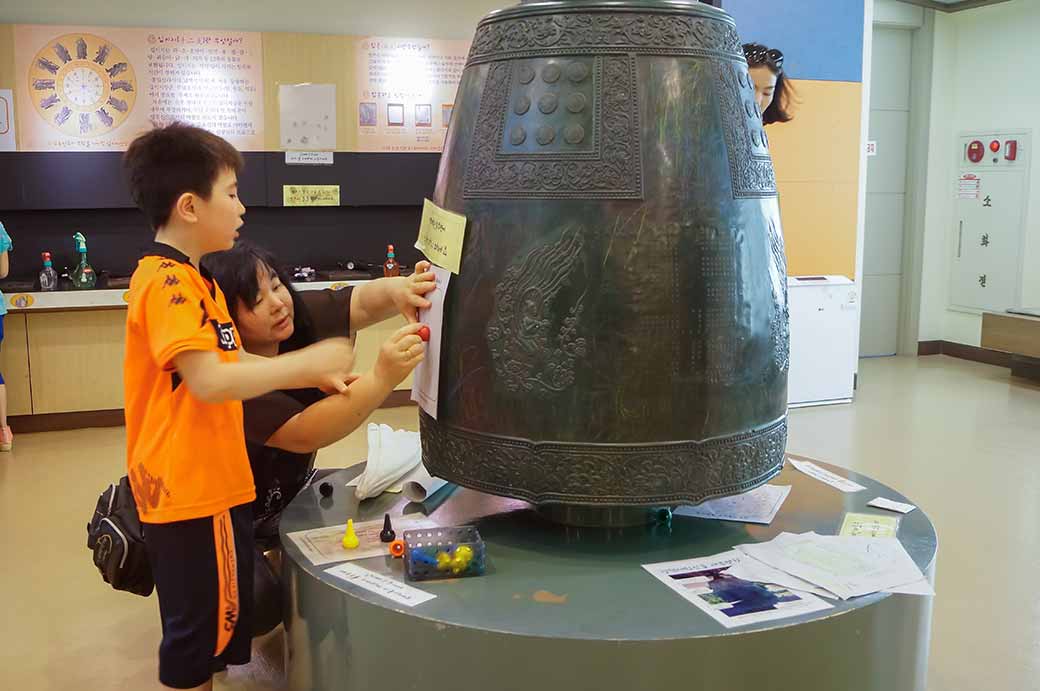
x,y
961,439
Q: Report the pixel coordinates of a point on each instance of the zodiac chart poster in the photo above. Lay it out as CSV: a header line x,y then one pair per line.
x,y
96,88
406,92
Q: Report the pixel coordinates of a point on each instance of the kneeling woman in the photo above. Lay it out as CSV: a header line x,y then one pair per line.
x,y
285,429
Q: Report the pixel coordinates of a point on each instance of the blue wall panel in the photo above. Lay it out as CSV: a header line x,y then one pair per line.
x,y
820,39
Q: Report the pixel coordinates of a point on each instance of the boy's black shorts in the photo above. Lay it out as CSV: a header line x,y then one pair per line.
x,y
203,572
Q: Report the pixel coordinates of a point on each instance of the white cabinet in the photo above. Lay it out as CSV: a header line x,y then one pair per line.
x,y
824,314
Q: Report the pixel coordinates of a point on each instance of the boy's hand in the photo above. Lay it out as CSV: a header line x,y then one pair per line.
x,y
399,355
327,364
351,378
408,291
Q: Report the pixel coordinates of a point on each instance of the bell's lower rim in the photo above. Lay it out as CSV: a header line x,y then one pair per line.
x,y
581,516
536,7
598,475
614,502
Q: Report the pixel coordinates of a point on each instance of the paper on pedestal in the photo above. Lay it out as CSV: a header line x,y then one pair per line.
x,y
751,569
325,545
379,584
890,505
869,525
846,566
826,476
921,587
760,505
706,583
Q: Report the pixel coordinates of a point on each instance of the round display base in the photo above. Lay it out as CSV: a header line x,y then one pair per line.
x,y
566,607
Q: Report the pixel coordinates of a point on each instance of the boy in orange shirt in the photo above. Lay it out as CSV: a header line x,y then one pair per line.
x,y
185,377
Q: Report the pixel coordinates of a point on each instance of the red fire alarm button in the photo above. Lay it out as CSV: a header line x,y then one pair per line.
x,y
976,151
1011,150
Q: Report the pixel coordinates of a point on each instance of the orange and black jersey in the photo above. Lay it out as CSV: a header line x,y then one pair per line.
x,y
185,458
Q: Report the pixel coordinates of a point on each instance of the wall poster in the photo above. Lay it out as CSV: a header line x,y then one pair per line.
x,y
7,138
96,88
406,92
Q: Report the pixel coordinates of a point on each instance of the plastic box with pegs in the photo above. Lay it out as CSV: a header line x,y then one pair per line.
x,y
435,553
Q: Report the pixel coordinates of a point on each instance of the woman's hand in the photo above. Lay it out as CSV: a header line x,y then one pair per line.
x,y
399,355
408,291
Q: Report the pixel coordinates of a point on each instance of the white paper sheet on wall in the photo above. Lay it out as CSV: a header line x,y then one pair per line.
x,y
307,116
7,140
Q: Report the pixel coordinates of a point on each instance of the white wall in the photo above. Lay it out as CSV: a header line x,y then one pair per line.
x,y
938,211
886,191
920,25
921,68
864,133
893,14
426,18
984,77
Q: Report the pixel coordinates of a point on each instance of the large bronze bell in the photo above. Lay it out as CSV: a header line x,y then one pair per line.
x,y
618,334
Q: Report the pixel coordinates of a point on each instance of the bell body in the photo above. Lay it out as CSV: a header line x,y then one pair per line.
x,y
618,334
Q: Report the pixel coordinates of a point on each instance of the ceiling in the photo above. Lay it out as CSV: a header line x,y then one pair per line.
x,y
953,5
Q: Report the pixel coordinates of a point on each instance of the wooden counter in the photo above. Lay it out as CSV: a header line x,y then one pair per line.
x,y
62,356
1017,334
14,364
1012,333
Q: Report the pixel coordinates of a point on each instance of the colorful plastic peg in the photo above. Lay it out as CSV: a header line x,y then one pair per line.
x,y
350,538
461,560
397,549
420,556
424,333
387,534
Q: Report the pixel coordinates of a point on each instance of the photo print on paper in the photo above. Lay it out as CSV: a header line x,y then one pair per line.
x,y
367,114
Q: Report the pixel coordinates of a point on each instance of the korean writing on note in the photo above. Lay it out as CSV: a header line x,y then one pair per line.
x,y
441,234
310,195
869,525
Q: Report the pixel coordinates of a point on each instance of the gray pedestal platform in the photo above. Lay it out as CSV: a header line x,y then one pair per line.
x,y
571,608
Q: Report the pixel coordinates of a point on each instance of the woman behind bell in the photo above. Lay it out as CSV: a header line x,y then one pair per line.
x,y
773,90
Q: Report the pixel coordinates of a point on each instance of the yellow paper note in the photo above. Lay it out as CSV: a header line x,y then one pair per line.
x,y
440,236
310,195
869,525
